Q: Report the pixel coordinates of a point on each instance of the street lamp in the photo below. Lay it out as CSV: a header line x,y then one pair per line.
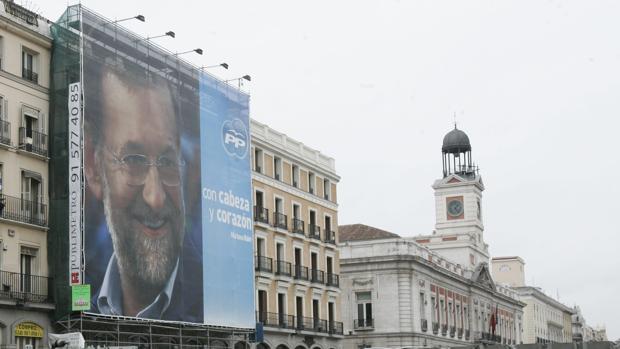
x,y
138,17
197,50
168,33
224,65
240,80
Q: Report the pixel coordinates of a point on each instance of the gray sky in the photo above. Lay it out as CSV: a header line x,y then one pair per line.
x,y
375,84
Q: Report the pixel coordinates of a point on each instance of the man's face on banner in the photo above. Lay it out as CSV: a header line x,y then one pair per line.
x,y
141,186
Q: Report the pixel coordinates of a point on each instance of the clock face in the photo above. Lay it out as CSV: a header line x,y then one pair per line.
x,y
455,208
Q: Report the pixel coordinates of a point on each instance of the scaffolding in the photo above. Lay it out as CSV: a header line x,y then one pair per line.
x,y
106,331
82,35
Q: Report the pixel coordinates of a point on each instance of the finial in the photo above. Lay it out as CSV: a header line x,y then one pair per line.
x,y
454,115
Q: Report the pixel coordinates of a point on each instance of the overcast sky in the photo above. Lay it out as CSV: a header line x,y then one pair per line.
x,y
375,84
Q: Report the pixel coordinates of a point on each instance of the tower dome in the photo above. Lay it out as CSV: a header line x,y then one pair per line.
x,y
456,141
456,154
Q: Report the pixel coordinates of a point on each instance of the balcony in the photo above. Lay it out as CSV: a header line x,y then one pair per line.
x,y
276,320
333,280
283,268
25,287
261,214
424,325
301,272
467,334
330,237
311,324
29,75
25,211
452,331
444,329
299,323
460,333
363,324
314,231
33,141
317,276
435,327
5,132
280,220
298,226
264,264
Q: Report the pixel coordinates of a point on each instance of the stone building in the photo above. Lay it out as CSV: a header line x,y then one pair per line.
x,y
25,302
428,290
297,262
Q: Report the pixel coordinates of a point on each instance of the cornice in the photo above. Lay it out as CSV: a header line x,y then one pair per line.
x,y
293,191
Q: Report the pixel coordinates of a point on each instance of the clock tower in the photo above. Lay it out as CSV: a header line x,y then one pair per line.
x,y
459,228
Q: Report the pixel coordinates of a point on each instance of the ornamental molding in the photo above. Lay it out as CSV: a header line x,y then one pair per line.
x,y
362,282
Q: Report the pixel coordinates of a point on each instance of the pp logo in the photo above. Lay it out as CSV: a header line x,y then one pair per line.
x,y
235,138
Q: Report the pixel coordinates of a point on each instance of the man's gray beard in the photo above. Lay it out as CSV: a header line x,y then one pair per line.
x,y
148,262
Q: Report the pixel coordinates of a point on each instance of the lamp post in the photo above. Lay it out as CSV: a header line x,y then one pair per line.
x,y
168,33
223,65
197,50
240,80
138,17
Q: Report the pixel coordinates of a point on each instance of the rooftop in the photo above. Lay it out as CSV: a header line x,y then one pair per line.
x,y
360,232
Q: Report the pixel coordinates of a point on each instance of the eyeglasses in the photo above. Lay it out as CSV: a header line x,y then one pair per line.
x,y
136,167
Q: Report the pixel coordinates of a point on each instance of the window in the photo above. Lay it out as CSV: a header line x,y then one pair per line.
x,y
1,183
295,176
442,308
465,318
458,316
327,189
5,126
260,202
328,224
258,160
31,197
28,267
260,246
450,314
278,205
262,306
277,168
435,309
364,309
311,182
296,211
422,306
29,66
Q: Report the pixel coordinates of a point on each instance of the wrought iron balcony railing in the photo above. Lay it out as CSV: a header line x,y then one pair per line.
x,y
317,276
33,141
460,333
25,211
283,268
29,75
279,220
314,231
452,331
300,323
444,329
25,287
301,272
264,264
261,214
298,226
5,132
424,325
363,324
333,280
467,334
330,236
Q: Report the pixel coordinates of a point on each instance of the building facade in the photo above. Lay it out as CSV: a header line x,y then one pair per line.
x,y
25,302
546,319
297,262
429,290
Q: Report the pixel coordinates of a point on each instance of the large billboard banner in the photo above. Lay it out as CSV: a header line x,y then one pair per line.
x,y
75,183
167,202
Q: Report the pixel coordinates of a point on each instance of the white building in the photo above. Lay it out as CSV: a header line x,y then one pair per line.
x,y
25,300
433,290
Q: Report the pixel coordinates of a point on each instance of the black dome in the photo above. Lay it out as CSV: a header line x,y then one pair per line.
x,y
456,141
